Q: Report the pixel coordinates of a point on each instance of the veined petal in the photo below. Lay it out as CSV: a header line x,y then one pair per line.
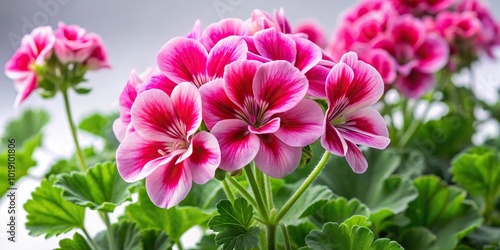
x,y
205,158
278,86
222,29
153,117
238,78
18,66
186,100
169,184
276,158
216,105
157,81
317,78
355,158
433,54
308,54
332,141
183,60
366,127
224,52
238,146
267,128
301,125
338,82
275,46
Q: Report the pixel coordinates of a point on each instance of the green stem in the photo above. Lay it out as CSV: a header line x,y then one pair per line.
x,y
261,184
408,134
269,196
242,191
312,176
79,153
286,237
89,239
271,236
179,245
489,207
253,184
227,190
111,241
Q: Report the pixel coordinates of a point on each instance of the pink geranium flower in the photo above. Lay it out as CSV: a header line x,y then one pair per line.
x,y
351,87
186,60
257,112
35,49
165,148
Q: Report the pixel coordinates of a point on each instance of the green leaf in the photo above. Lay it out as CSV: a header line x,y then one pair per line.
x,y
29,124
102,126
347,236
49,213
174,221
204,196
77,243
297,233
207,242
233,224
100,188
376,188
126,236
443,210
417,238
483,236
339,209
311,200
478,171
154,239
62,166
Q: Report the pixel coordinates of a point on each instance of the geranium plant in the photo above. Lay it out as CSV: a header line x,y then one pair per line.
x,y
266,136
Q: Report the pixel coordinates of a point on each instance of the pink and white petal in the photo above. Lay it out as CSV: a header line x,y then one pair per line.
x,y
269,127
216,104
333,141
25,87
238,80
275,45
153,117
317,78
416,84
18,66
279,86
238,146
365,127
137,157
433,54
186,100
168,185
205,158
337,86
158,81
276,158
308,54
224,52
384,63
282,21
222,29
195,33
355,158
301,125
120,128
183,60
367,86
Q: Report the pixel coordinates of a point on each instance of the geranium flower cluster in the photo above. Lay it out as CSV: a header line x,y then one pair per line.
x,y
242,91
69,44
409,41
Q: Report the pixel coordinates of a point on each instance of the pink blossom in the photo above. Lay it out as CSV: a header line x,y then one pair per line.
x,y
420,7
187,60
257,112
351,87
98,58
313,31
165,148
35,49
215,32
261,20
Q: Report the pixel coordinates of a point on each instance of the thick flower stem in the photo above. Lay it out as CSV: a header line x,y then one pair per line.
x,y
286,237
109,231
271,236
261,183
89,239
312,176
79,153
269,192
227,190
255,188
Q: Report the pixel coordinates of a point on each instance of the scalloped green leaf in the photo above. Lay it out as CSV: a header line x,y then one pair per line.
x,y
443,210
49,213
101,125
174,221
340,209
24,127
126,236
77,243
233,225
155,239
297,233
100,187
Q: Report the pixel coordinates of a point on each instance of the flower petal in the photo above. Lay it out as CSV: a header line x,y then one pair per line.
x,y
169,184
338,82
267,128
238,146
183,60
275,46
205,158
216,105
279,86
308,54
276,158
25,87
158,81
317,77
238,78
332,141
366,127
226,51
355,158
415,84
186,100
195,33
432,54
222,29
301,125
